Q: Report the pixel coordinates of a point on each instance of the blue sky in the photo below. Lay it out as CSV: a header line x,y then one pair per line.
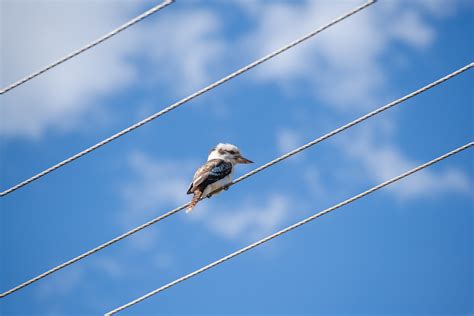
x,y
406,250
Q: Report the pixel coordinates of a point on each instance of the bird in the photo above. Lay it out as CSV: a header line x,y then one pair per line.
x,y
216,173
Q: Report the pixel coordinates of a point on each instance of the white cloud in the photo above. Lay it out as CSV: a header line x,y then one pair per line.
x,y
159,185
61,97
409,21
373,155
344,68
176,47
61,284
383,160
163,261
182,49
343,64
250,219
144,241
111,267
316,184
155,184
288,139
441,8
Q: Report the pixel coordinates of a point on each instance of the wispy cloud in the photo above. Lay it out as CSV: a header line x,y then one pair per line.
x,y
250,219
288,139
180,50
342,58
174,50
342,66
62,285
61,98
184,49
156,184
111,267
382,160
372,154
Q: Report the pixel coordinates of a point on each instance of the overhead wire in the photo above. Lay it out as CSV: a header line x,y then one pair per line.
x,y
289,228
88,46
185,100
253,172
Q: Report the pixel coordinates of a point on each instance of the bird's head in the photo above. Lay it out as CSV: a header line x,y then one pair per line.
x,y
228,152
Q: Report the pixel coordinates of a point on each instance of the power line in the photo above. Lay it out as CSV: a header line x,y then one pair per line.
x,y
94,250
289,228
355,122
88,46
185,100
267,165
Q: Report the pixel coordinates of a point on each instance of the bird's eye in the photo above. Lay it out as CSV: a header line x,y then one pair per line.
x,y
232,152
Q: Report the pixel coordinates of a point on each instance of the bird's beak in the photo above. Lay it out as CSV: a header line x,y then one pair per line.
x,y
241,159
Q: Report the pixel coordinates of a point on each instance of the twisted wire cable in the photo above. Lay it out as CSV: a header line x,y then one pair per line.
x,y
251,173
81,50
289,228
185,100
355,122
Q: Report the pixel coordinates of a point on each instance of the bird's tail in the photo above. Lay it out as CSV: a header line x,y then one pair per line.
x,y
197,196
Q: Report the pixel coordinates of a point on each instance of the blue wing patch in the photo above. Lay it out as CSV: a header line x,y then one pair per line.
x,y
210,172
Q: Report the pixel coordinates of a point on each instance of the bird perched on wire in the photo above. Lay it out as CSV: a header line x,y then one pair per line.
x,y
216,173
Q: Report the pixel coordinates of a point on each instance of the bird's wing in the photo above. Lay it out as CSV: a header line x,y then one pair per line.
x,y
210,172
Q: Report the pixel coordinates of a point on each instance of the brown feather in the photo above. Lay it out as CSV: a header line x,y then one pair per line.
x,y
197,196
203,176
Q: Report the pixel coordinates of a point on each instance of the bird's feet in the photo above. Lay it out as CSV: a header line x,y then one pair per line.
x,y
217,191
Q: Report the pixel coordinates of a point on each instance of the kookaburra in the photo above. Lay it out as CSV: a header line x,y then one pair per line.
x,y
216,173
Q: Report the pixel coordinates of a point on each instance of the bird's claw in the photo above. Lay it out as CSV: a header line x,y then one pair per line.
x,y
217,191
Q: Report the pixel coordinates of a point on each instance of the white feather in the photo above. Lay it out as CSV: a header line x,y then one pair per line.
x,y
217,185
